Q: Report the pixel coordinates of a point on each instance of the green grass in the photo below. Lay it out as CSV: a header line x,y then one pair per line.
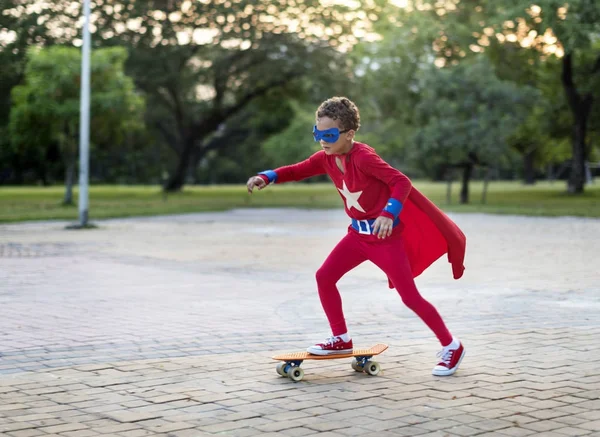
x,y
44,203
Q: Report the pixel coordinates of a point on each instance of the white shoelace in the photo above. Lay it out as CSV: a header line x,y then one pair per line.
x,y
330,340
445,355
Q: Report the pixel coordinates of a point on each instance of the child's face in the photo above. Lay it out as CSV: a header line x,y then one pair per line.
x,y
344,142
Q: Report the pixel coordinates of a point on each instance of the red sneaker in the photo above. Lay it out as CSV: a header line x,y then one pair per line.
x,y
450,358
333,345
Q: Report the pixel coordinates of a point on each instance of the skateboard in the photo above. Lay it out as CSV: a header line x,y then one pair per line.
x,y
361,361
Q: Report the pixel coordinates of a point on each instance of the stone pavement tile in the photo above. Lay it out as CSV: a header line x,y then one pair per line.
x,y
29,417
588,394
440,424
361,420
258,423
135,433
337,433
546,414
515,432
571,409
10,425
325,425
464,430
412,430
14,406
570,399
546,404
465,418
288,424
543,425
116,428
469,408
317,411
251,432
519,419
570,420
166,427
291,415
571,431
519,409
493,413
81,433
25,424
592,426
57,429
300,432
131,416
589,415
491,424
436,434
167,398
591,404
553,434
26,433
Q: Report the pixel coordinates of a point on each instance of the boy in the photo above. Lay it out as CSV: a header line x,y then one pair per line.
x,y
402,245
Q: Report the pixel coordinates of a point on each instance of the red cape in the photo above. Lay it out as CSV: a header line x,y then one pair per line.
x,y
428,234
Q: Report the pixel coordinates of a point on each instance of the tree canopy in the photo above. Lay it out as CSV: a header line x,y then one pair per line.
x,y
46,107
229,85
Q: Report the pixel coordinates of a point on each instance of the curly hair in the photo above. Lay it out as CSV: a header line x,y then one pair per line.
x,y
342,109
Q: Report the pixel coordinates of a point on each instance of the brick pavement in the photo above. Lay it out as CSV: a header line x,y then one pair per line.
x,y
165,326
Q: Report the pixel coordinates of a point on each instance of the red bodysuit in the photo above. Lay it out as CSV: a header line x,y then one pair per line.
x,y
424,233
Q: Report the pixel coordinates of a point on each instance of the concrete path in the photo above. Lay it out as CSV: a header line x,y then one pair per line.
x,y
166,327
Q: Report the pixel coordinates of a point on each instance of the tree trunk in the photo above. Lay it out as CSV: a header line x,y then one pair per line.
x,y
581,108
177,179
69,175
577,176
486,182
466,177
528,168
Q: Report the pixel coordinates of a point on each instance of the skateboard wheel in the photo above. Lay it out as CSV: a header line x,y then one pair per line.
x,y
281,369
295,373
372,368
357,366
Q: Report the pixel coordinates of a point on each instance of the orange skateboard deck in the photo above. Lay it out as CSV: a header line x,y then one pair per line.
x,y
361,361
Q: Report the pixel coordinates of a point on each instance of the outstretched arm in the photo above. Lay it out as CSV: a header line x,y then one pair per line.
x,y
313,166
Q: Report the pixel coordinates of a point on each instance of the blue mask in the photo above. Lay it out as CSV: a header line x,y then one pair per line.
x,y
328,135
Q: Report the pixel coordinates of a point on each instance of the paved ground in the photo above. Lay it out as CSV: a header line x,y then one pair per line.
x,y
166,326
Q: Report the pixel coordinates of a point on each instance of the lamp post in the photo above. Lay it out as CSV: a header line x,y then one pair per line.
x,y
84,119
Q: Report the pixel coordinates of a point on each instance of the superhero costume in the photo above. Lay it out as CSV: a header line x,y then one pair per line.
x,y
422,233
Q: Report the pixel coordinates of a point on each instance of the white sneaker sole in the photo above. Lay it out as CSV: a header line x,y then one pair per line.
x,y
449,372
322,352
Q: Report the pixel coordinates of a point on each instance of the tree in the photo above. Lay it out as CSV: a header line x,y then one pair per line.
x,y
571,28
466,115
46,106
203,63
19,29
388,74
566,30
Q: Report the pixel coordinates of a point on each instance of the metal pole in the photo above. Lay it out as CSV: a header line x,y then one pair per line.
x,y
84,118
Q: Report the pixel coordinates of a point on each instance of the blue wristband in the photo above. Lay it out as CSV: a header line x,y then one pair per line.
x,y
394,207
271,175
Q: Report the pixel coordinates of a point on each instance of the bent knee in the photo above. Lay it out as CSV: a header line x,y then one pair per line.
x,y
414,301
326,276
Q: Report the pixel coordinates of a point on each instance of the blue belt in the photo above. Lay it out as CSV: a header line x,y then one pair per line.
x,y
366,226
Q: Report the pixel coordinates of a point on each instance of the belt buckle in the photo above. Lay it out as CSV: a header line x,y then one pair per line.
x,y
367,230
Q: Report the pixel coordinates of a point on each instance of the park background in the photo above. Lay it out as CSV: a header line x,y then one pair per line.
x,y
489,106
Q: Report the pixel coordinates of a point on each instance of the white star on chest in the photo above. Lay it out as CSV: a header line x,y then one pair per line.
x,y
351,198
